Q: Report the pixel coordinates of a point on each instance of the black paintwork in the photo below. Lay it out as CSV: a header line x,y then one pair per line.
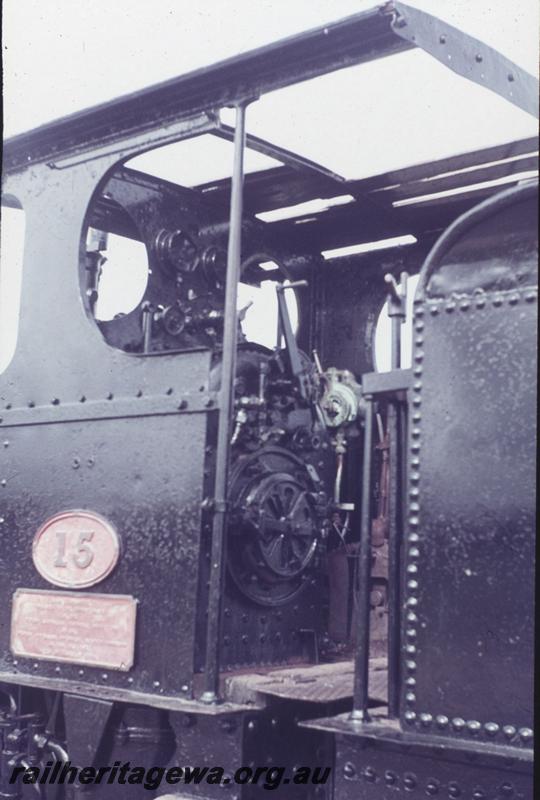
x,y
469,572
379,771
132,436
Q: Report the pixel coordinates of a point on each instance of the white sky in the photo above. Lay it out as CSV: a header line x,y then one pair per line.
x,y
60,56
64,55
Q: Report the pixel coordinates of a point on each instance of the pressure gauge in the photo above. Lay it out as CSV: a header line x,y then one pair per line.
x,y
177,250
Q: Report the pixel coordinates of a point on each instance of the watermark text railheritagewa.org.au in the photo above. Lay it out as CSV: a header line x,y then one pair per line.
x,y
152,778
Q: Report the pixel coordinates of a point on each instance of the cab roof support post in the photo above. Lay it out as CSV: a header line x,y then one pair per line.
x,y
359,711
226,403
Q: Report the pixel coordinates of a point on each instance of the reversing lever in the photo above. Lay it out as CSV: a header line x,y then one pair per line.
x,y
285,331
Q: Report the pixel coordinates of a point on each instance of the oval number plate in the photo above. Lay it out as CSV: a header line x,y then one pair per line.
x,y
75,549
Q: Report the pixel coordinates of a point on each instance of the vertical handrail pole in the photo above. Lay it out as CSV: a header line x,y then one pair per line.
x,y
397,302
226,401
394,431
361,671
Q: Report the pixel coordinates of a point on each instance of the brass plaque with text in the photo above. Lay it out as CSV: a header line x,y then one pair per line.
x,y
97,630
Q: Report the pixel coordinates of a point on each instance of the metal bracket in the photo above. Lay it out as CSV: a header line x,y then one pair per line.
x,y
467,56
381,384
216,506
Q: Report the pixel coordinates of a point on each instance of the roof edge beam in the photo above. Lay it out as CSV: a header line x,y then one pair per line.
x,y
362,37
287,157
467,56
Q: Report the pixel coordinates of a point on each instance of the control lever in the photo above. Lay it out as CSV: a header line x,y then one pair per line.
x,y
397,311
285,331
241,313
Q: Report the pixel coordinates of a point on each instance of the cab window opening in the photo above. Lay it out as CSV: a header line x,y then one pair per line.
x,y
12,233
156,254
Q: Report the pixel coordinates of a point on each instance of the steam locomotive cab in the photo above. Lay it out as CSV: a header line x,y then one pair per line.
x,y
229,534
292,420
